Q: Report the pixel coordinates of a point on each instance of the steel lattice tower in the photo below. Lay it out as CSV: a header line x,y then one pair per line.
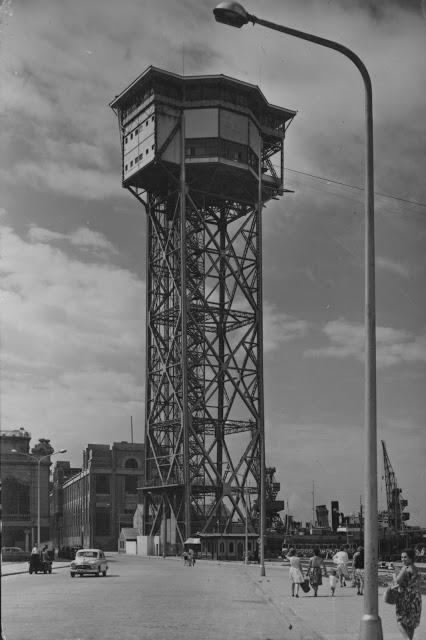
x,y
197,153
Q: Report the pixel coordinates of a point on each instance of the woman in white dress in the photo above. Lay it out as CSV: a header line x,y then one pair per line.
x,y
296,573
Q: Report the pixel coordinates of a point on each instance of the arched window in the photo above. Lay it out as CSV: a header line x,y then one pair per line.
x,y
131,463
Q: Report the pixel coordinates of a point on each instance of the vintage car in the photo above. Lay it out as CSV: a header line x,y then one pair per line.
x,y
89,562
12,554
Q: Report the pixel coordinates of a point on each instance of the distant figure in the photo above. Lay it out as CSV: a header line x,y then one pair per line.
x,y
185,557
45,554
333,580
341,559
358,566
296,573
191,557
409,602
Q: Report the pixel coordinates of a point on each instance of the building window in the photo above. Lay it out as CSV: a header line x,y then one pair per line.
x,y
146,123
221,547
131,136
16,497
231,547
131,484
131,163
125,167
152,119
102,483
152,146
131,463
125,140
136,132
103,523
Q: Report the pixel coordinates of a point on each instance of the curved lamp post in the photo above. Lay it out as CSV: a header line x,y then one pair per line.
x,y
233,14
39,459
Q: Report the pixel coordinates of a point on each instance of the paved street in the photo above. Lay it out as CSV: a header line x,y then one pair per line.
x,y
156,599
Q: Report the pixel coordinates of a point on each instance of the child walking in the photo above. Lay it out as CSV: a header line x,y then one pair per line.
x,y
333,579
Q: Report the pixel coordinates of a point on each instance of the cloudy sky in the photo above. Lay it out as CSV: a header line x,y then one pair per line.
x,y
73,241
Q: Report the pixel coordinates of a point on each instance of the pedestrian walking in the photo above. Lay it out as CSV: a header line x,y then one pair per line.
x,y
341,559
333,580
185,557
315,570
191,557
296,572
409,601
358,567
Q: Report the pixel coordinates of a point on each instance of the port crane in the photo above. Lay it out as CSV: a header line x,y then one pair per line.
x,y
395,502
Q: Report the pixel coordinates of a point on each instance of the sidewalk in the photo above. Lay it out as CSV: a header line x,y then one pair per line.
x,y
324,617
14,568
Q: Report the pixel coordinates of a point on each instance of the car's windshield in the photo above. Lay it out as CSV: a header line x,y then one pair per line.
x,y
87,554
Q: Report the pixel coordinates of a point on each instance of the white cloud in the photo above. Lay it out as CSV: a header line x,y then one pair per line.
x,y
393,346
279,328
68,179
72,335
392,266
82,238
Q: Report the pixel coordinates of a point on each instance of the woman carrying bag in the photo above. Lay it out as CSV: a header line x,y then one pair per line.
x,y
315,570
409,599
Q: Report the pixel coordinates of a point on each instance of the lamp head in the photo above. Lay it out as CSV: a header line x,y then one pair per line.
x,y
231,13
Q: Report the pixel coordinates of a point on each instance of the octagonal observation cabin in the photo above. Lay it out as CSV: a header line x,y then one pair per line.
x,y
227,124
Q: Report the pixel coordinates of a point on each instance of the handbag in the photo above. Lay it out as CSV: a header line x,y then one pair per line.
x,y
305,585
390,594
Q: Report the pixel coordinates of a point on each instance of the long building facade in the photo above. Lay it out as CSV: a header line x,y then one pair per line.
x,y
89,506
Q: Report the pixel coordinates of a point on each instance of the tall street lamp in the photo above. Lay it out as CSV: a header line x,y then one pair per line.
x,y
39,459
233,14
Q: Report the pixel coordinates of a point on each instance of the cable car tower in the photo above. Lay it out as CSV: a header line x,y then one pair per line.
x,y
197,153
